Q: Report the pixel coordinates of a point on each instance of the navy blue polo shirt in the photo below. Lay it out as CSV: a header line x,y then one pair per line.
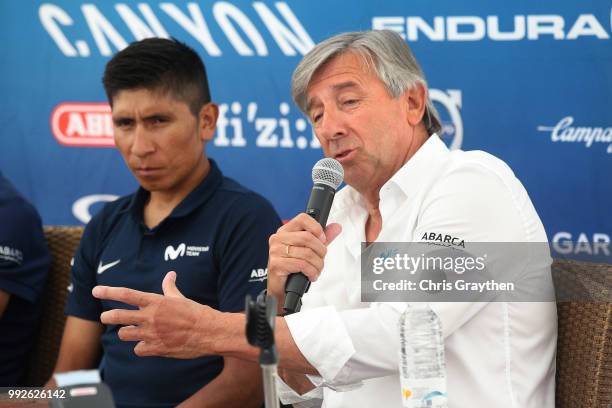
x,y
24,264
216,240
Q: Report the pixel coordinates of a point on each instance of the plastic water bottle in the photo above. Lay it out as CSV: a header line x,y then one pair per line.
x,y
422,365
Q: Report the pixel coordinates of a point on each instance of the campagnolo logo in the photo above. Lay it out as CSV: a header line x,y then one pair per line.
x,y
476,28
450,115
566,132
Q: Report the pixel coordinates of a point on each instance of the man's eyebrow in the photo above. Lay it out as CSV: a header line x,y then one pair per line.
x,y
337,87
157,115
152,115
120,116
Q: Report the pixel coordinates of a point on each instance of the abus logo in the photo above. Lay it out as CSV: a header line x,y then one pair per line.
x,y
452,132
83,124
564,132
172,254
476,28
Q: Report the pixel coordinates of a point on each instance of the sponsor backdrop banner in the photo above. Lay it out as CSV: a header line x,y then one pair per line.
x,y
530,82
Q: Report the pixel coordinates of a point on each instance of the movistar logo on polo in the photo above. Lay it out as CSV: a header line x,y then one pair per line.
x,y
104,267
496,28
171,253
566,132
450,116
11,254
259,275
443,239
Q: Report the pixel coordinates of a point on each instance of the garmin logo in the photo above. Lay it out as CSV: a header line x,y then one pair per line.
x,y
566,243
239,30
476,28
564,132
171,253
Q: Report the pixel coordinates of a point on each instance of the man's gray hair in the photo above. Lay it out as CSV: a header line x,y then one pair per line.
x,y
384,51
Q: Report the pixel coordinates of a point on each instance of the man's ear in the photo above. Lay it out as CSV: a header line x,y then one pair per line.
x,y
208,121
415,98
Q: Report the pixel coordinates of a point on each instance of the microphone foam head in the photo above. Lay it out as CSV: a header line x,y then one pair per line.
x,y
328,171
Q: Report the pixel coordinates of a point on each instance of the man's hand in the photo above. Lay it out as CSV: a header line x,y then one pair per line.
x,y
168,325
298,246
174,326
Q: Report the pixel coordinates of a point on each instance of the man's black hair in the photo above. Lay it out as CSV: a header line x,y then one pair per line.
x,y
159,64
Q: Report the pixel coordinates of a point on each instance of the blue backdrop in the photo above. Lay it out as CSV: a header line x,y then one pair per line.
x,y
530,82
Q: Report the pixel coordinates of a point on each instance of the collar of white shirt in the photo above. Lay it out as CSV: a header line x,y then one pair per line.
x,y
402,186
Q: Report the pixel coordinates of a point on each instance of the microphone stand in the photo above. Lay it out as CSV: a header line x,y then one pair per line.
x,y
260,323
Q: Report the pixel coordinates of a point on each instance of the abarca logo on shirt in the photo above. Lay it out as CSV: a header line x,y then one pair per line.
x,y
11,254
444,240
171,253
259,275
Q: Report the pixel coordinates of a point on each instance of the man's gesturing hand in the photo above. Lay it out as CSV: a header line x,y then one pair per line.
x,y
298,246
170,325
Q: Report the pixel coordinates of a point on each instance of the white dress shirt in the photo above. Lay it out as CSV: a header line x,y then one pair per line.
x,y
498,354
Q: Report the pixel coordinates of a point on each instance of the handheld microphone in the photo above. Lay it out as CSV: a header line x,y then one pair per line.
x,y
327,175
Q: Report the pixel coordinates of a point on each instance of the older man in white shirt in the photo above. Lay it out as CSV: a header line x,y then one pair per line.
x,y
368,102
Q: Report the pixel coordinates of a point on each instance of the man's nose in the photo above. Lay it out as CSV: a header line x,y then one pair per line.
x,y
142,144
333,124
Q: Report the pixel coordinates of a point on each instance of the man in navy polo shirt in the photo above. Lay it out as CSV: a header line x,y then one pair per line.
x,y
186,217
24,263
